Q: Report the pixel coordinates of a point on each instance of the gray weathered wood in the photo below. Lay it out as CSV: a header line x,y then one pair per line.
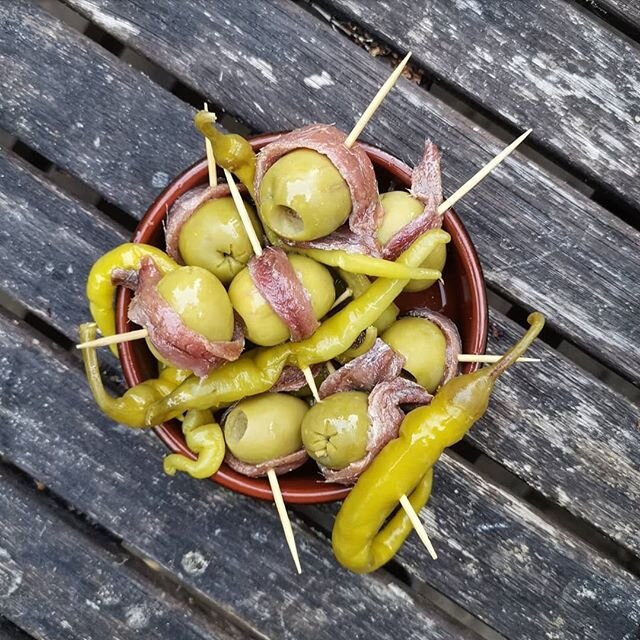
x,y
49,242
546,65
114,475
92,116
568,435
541,414
56,582
541,242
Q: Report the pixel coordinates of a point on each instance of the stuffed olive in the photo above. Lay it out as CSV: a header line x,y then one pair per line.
x,y
215,239
423,346
400,208
265,427
335,432
263,325
303,196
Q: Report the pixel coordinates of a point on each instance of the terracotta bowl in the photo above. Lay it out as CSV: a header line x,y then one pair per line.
x,y
462,298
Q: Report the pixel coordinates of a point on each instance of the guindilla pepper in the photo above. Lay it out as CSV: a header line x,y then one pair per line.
x,y
100,289
204,437
257,371
360,541
131,407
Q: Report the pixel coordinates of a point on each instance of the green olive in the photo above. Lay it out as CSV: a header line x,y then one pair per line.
x,y
400,208
423,346
335,432
201,300
317,280
303,196
263,325
436,260
214,238
156,355
265,427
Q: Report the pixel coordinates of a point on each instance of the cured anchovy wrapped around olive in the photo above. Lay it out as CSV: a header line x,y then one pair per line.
x,y
408,215
204,229
308,184
347,429
430,345
280,297
191,331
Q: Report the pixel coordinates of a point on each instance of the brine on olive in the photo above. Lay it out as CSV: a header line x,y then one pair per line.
x,y
215,239
303,196
263,326
400,208
423,346
200,300
265,427
335,432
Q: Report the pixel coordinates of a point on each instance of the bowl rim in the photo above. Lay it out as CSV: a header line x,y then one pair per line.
x,y
197,174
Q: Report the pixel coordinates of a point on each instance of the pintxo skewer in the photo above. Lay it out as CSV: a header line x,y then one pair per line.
x,y
448,203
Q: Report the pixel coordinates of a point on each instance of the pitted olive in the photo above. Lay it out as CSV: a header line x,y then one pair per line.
x,y
303,196
263,325
200,300
400,208
265,427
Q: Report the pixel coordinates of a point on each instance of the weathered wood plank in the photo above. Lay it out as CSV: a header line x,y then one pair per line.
x,y
489,557
114,475
568,435
56,582
552,422
49,242
92,116
541,242
547,65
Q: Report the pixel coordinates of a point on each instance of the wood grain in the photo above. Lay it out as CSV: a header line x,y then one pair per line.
x,y
206,536
49,242
541,413
114,475
90,591
544,64
540,242
93,116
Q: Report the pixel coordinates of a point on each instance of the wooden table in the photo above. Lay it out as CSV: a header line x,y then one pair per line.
x,y
535,515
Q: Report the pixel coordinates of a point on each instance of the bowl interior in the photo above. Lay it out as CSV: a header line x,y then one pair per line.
x,y
462,298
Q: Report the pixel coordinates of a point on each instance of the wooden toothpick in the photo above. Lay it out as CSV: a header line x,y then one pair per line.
x,y
284,517
486,358
138,334
485,171
418,526
243,213
211,161
375,103
308,376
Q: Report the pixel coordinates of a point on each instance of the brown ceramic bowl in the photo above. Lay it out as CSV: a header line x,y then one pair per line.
x,y
462,298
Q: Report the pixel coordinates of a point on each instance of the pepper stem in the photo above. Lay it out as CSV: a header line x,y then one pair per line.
x,y
536,320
